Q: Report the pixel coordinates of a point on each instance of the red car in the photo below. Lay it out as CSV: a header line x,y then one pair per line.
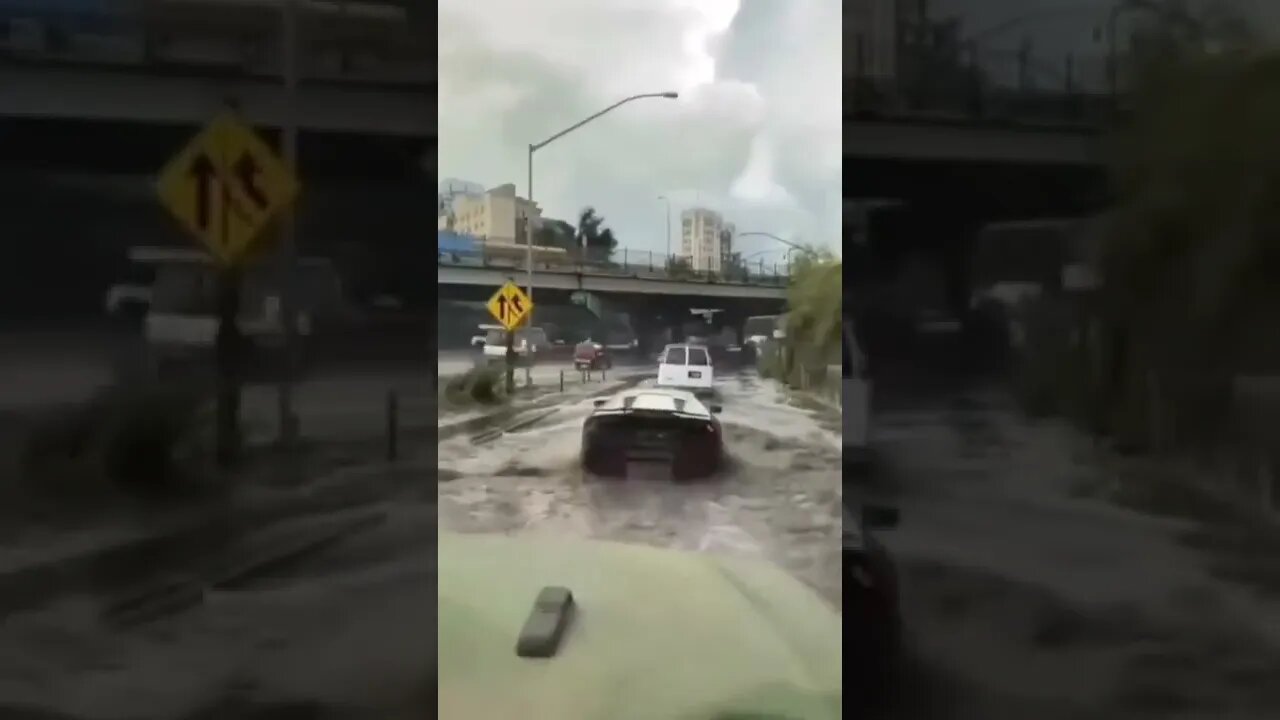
x,y
591,355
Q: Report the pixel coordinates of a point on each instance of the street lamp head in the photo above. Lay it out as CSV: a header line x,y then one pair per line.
x,y
671,95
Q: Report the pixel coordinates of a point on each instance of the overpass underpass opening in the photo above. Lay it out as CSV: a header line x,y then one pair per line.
x,y
984,191
917,256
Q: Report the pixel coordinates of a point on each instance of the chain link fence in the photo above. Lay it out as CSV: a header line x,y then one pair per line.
x,y
994,86
621,261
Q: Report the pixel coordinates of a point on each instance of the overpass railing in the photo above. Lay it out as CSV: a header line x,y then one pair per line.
x,y
623,262
356,42
988,87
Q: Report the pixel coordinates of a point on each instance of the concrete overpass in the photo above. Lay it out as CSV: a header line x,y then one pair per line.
x,y
653,303
945,180
982,170
488,279
970,142
85,92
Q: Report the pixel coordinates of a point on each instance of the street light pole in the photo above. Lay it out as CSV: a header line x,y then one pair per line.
x,y
788,243
534,147
528,229
288,248
668,201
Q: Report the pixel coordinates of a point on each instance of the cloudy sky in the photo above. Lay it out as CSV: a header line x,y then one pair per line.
x,y
755,133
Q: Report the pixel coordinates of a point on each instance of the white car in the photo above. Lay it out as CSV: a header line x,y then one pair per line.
x,y
528,342
686,366
479,341
855,401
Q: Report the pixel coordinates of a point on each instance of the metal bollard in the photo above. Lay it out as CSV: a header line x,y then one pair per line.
x,y
603,377
528,376
561,381
393,425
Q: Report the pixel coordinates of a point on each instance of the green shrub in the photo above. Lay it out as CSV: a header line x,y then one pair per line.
x,y
769,360
138,440
484,385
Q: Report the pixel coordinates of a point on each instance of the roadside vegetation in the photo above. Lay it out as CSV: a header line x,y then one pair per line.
x,y
1187,257
143,442
812,344
483,386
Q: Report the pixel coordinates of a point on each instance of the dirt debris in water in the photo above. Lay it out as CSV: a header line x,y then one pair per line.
x,y
778,495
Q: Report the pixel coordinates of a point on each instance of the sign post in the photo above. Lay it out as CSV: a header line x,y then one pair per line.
x,y
225,187
510,306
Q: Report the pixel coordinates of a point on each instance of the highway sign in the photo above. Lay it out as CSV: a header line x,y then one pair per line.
x,y
510,306
225,186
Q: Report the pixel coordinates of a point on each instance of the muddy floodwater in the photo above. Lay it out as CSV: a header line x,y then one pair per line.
x,y
778,497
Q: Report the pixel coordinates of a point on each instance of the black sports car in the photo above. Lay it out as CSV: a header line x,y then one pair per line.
x,y
657,425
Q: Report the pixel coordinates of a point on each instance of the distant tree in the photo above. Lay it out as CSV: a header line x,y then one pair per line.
x,y
597,238
679,266
556,233
1189,256
814,318
734,267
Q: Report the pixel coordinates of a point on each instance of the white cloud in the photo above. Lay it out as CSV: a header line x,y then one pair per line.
x,y
754,134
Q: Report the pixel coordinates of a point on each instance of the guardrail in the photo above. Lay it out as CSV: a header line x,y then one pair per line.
x,y
357,43
989,87
622,263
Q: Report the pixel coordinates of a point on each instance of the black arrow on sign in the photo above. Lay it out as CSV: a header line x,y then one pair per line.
x,y
203,171
502,308
247,171
516,305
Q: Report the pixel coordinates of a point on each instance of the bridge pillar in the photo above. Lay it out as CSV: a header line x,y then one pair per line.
x,y
591,301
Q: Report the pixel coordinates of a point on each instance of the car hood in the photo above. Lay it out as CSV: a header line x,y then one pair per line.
x,y
657,634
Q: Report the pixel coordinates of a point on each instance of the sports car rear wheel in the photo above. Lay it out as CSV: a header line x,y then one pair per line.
x,y
604,461
697,460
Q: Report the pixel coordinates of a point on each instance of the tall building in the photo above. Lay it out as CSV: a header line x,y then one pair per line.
x,y
447,198
873,26
727,233
706,240
498,216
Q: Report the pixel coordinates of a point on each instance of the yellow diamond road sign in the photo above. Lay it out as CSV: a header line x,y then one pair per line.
x,y
510,306
225,186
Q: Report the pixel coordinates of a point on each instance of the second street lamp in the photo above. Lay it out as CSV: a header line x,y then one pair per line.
x,y
666,263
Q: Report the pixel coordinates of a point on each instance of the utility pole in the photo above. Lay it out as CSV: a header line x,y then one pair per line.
x,y
288,250
667,200
668,228
528,250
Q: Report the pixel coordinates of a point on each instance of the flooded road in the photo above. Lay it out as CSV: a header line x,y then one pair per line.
x,y
1028,591
344,633
778,498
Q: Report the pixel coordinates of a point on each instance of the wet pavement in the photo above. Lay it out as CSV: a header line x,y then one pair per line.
x,y
777,498
1027,596
341,633
1031,585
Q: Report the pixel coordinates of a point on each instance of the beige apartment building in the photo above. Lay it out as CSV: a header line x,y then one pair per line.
x,y
705,239
497,216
